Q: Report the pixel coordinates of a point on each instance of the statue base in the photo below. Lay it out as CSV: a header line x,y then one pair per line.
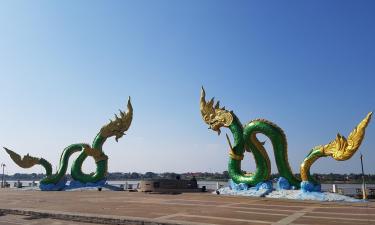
x,y
284,190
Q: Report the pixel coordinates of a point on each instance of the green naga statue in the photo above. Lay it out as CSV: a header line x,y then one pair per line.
x,y
115,128
245,140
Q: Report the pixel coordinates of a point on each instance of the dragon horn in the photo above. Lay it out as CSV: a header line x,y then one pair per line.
x,y
203,98
217,106
128,116
130,108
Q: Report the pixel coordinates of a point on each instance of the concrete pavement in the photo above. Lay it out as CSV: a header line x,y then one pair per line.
x,y
108,207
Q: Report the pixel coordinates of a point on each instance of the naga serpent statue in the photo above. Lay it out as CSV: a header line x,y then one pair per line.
x,y
245,140
56,181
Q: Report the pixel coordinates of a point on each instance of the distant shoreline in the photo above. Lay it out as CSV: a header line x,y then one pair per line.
x,y
201,176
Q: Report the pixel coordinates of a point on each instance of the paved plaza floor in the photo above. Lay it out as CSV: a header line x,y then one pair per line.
x,y
106,207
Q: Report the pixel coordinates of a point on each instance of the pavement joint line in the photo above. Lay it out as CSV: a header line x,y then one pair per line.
x,y
320,204
221,206
287,206
261,209
228,219
263,213
191,223
345,207
340,218
168,216
237,203
289,219
11,222
187,204
190,200
89,218
308,209
341,213
168,202
231,204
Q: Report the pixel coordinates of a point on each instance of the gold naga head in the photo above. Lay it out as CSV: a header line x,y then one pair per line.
x,y
26,161
121,124
343,149
214,116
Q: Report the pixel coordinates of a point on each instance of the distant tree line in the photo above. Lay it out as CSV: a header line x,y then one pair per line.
x,y
224,176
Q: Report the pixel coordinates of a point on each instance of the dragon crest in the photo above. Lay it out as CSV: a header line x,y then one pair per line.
x,y
26,161
121,124
214,116
342,148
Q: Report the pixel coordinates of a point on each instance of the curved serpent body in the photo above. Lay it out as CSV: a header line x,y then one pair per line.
x,y
63,166
245,140
115,128
101,165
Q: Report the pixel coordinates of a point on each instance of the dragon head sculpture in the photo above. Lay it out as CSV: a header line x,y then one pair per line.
x,y
343,149
121,124
214,116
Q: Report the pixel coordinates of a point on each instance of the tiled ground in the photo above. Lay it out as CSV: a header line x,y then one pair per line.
x,y
193,208
30,220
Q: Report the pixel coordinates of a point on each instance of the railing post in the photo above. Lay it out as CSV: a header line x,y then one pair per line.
x,y
363,180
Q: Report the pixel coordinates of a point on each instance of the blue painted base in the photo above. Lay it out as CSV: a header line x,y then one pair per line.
x,y
282,184
267,185
260,190
77,184
61,185
313,195
237,187
308,191
54,187
310,187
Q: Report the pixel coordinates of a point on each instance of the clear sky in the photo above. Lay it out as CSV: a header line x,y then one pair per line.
x,y
67,66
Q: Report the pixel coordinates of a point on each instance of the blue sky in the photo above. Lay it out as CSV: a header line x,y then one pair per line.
x,y
66,67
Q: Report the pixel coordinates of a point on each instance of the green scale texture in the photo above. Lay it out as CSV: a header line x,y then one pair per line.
x,y
101,166
242,142
76,171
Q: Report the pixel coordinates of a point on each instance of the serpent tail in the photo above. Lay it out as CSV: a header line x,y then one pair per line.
x,y
28,161
340,149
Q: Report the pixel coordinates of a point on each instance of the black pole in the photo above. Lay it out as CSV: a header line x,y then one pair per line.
x,y
2,178
363,180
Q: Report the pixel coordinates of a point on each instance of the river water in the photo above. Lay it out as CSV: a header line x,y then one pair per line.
x,y
347,189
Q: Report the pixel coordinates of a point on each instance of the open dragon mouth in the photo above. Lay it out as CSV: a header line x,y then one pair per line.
x,y
213,115
218,131
119,135
215,126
